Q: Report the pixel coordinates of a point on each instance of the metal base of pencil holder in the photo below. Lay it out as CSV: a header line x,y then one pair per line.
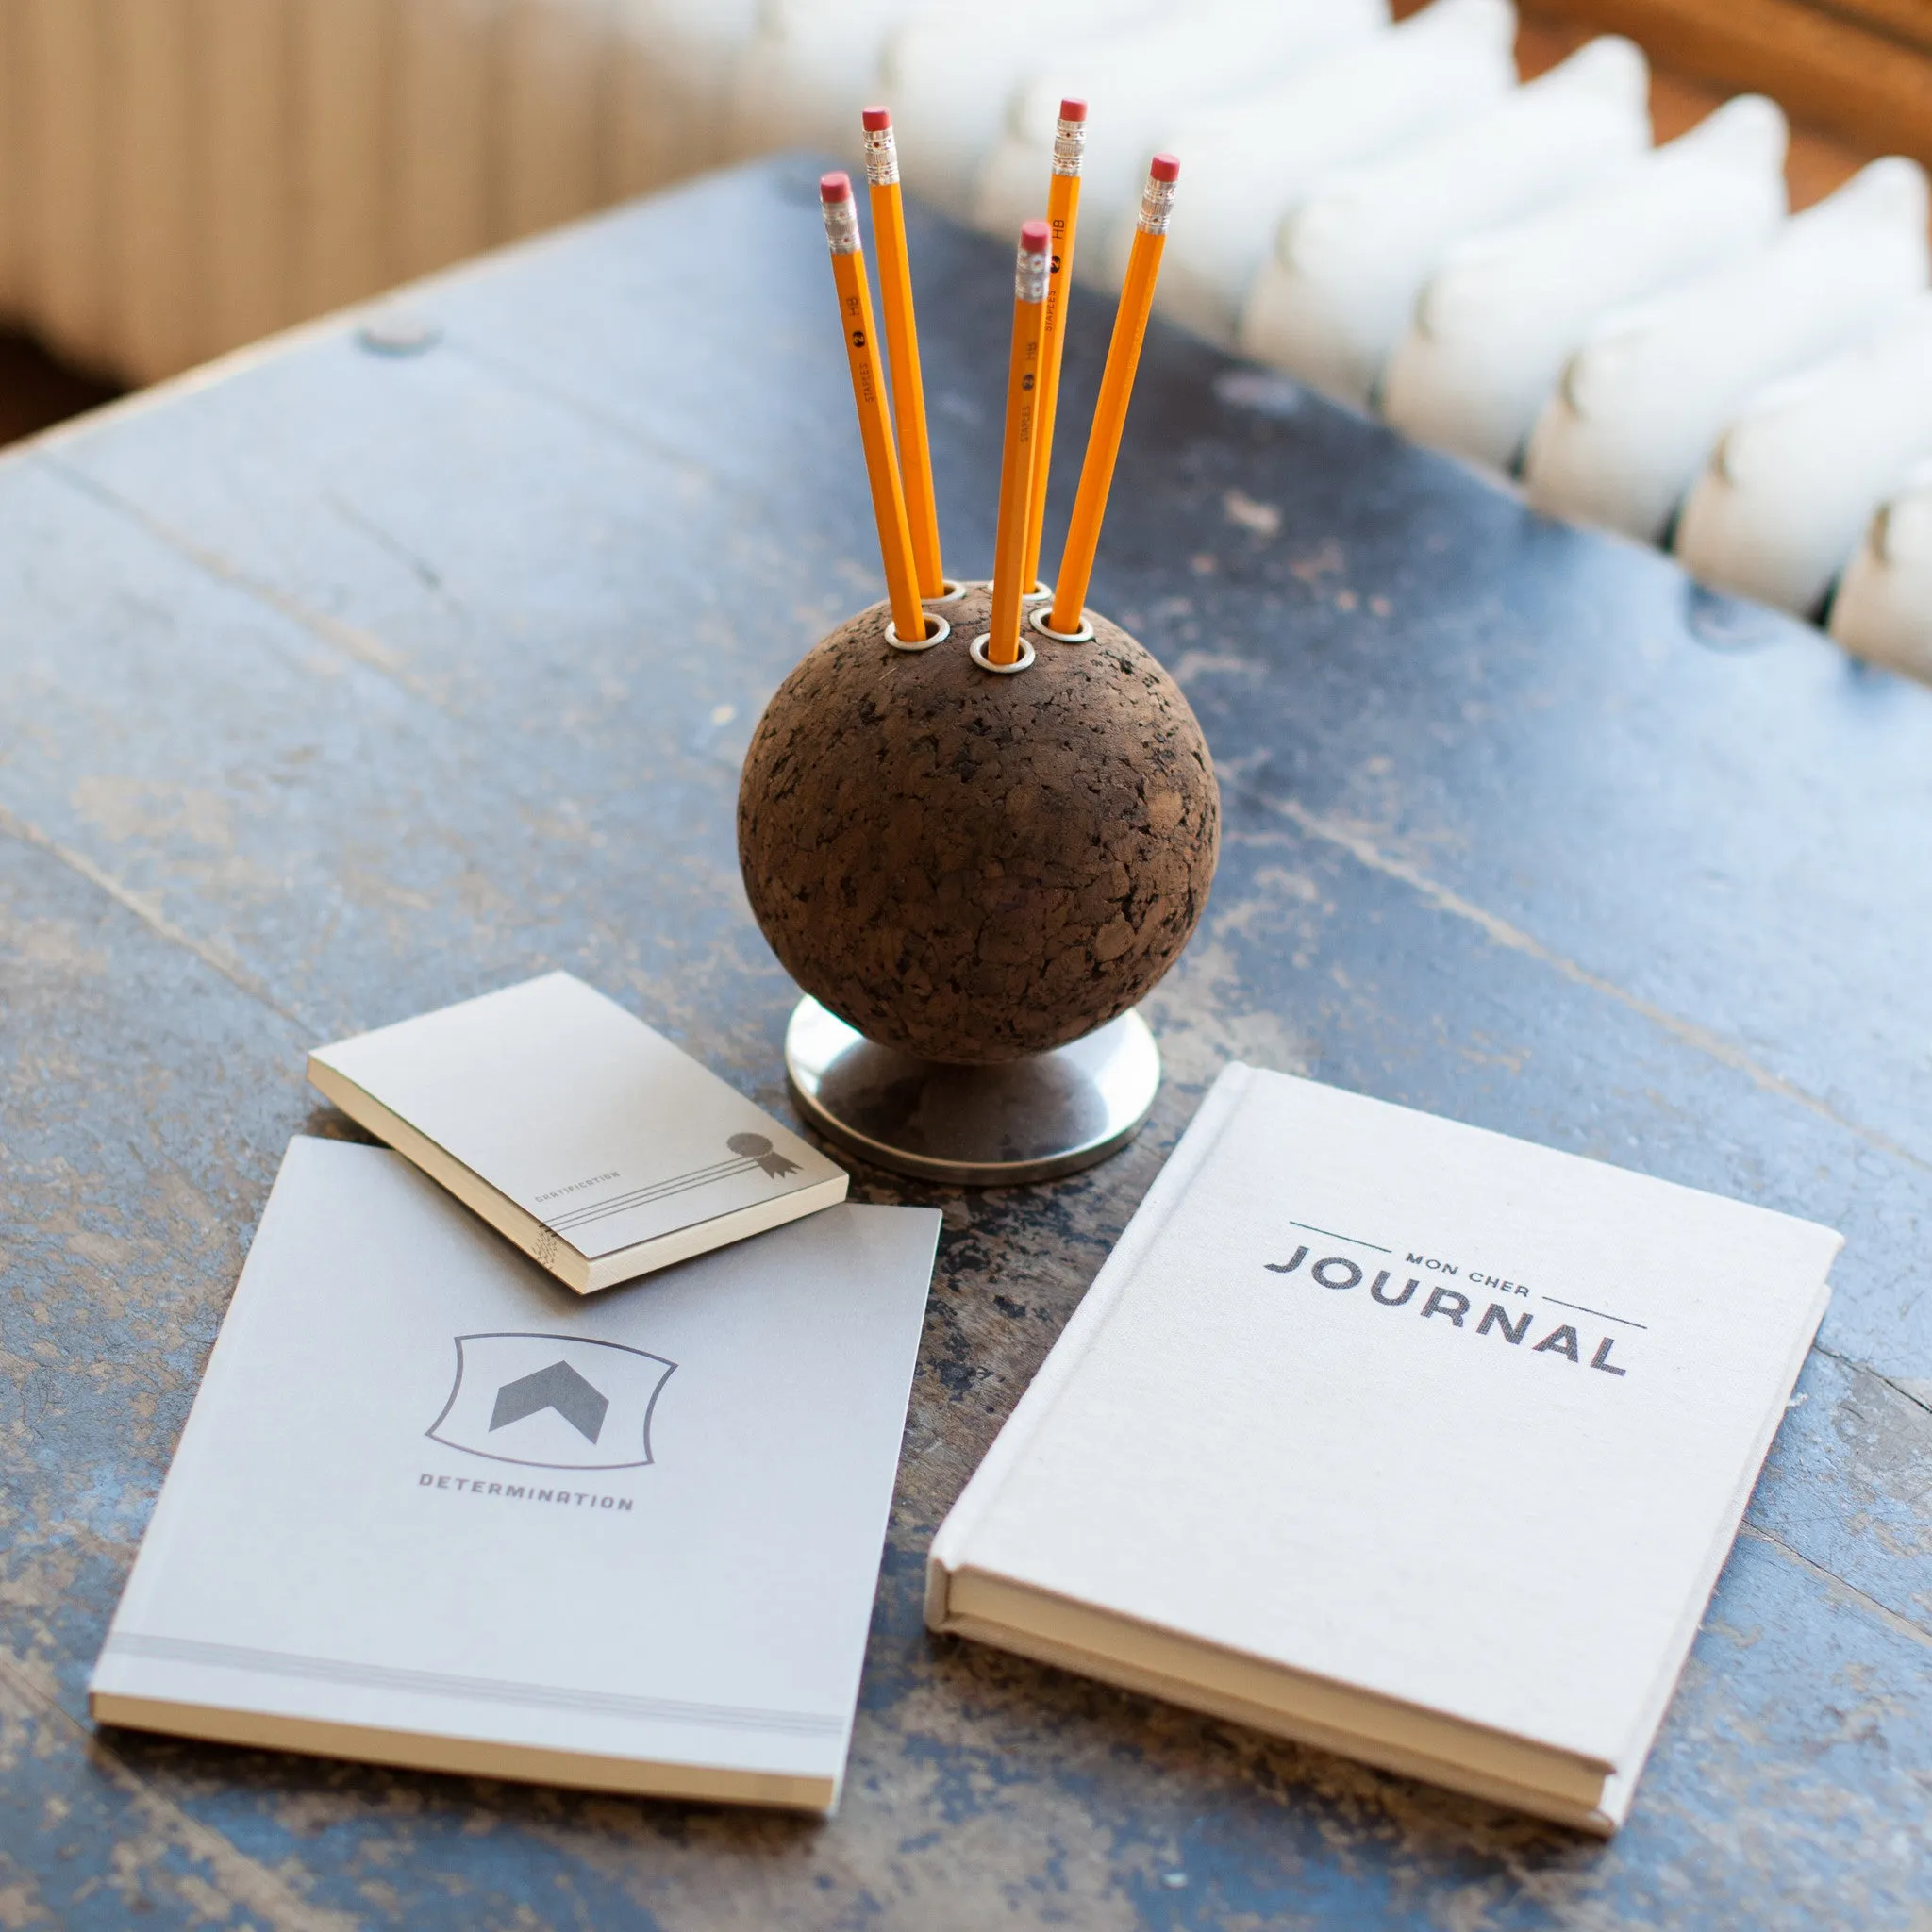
x,y
1034,1118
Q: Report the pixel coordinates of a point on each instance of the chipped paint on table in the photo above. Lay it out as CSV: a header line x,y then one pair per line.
x,y
348,683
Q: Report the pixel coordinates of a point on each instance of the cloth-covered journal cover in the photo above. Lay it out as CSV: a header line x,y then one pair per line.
x,y
598,1147
1399,1437
431,1508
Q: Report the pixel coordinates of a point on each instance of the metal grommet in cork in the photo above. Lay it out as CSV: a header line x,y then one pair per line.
x,y
976,651
1038,619
937,631
975,875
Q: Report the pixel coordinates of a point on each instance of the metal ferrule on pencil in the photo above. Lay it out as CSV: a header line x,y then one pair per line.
x,y
1156,204
1029,277
881,156
841,225
1068,146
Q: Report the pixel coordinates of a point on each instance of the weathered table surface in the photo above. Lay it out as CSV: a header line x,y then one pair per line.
x,y
342,684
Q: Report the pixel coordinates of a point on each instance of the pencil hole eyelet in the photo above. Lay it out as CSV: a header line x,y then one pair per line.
x,y
976,651
1083,636
1040,592
938,631
952,593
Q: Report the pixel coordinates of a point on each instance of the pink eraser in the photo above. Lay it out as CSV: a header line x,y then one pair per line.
x,y
1165,167
835,187
1035,237
1073,110
876,118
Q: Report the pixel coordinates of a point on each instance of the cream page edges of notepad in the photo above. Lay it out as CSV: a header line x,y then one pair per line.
x,y
549,1250
550,1110
1531,1632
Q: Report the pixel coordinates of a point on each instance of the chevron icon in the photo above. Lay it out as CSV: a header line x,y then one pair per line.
x,y
558,1386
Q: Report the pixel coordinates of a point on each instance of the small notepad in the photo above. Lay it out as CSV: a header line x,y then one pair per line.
x,y
1398,1437
593,1144
432,1509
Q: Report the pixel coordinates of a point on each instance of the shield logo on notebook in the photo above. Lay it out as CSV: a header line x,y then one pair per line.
x,y
552,1401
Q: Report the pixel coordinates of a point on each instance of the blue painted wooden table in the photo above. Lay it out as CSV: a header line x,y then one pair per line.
x,y
347,682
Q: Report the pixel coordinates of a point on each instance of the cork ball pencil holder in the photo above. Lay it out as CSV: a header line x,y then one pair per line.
x,y
974,876
973,838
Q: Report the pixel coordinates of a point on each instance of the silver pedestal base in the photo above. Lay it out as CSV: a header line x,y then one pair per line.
x,y
1030,1120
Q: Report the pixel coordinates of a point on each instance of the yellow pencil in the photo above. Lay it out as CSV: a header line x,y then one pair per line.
x,y
1063,218
1116,388
868,391
1001,642
902,347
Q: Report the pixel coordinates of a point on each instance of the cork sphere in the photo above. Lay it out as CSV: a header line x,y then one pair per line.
x,y
971,867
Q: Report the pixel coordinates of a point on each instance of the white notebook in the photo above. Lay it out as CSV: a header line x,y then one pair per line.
x,y
598,1147
1398,1437
432,1509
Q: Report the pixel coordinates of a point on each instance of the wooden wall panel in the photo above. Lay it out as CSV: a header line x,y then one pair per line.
x,y
59,97
154,269
343,71
445,65
244,177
